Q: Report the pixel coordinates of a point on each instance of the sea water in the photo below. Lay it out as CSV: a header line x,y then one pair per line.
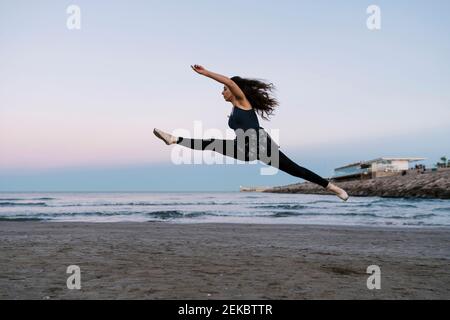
x,y
224,207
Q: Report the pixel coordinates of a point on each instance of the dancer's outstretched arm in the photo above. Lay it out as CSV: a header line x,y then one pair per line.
x,y
234,88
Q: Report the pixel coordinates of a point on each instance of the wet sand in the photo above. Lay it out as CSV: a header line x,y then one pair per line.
x,y
221,261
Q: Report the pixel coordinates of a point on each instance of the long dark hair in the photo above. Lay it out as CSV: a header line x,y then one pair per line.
x,y
258,93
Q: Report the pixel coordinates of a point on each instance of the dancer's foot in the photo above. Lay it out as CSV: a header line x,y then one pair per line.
x,y
338,191
166,137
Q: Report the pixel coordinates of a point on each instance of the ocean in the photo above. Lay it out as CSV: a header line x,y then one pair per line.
x,y
224,207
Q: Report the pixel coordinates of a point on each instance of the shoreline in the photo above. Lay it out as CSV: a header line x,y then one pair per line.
x,y
158,260
270,223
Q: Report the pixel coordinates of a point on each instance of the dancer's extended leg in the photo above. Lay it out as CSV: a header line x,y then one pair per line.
x,y
226,147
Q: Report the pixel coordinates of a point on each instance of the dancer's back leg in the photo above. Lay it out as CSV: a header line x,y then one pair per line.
x,y
289,166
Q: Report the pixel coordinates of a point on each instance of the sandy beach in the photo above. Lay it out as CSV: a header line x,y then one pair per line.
x,y
220,261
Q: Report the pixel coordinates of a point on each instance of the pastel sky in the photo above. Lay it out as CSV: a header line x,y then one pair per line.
x,y
77,107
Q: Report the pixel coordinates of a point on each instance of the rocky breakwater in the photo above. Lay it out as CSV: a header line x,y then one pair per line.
x,y
427,184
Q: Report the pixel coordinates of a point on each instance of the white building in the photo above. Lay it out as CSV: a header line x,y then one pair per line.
x,y
374,168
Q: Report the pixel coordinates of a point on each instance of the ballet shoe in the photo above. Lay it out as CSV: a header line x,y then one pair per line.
x,y
338,191
166,137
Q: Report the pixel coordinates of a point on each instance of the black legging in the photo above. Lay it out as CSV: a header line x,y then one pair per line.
x,y
237,149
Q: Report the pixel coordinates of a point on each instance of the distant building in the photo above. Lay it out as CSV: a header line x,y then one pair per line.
x,y
374,168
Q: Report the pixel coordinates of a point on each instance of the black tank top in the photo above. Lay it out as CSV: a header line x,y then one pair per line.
x,y
243,119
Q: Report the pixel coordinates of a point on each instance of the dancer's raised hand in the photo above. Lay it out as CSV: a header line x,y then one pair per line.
x,y
199,69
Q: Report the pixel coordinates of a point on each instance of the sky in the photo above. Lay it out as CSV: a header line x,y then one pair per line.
x,y
78,107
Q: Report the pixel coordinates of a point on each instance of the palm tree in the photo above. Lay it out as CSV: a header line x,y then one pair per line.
x,y
442,164
445,161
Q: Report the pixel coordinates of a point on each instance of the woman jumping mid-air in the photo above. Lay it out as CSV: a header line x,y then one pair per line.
x,y
249,96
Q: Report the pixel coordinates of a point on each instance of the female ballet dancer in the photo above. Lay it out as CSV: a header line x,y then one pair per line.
x,y
249,96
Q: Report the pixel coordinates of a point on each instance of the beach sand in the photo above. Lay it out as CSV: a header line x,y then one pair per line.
x,y
220,261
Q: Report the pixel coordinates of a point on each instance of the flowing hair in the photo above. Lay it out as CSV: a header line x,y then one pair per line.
x,y
258,93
